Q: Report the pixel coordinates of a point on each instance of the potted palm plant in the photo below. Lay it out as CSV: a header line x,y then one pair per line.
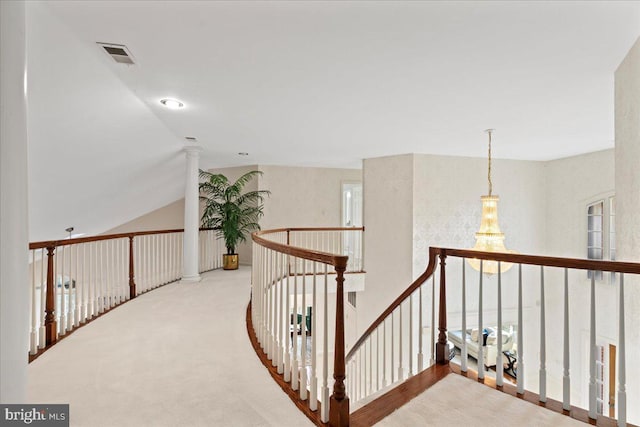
x,y
231,212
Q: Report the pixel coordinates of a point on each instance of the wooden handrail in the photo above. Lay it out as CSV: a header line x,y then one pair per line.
x,y
50,322
573,263
433,253
308,254
279,230
64,242
339,401
442,350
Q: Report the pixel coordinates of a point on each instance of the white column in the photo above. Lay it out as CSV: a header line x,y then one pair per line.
x,y
14,232
191,216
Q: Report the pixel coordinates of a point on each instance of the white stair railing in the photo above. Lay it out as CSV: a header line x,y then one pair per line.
x,y
503,359
393,348
556,273
295,322
339,241
73,281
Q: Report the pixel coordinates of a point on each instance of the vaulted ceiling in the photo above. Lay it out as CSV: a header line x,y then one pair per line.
x,y
302,83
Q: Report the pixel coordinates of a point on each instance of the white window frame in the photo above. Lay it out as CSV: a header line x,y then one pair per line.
x,y
349,217
607,234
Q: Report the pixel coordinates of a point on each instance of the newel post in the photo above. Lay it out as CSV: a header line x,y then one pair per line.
x,y
50,324
132,283
442,349
339,402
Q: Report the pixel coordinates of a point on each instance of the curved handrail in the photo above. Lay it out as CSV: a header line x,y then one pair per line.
x,y
279,230
433,253
267,322
109,264
441,354
308,254
64,242
574,263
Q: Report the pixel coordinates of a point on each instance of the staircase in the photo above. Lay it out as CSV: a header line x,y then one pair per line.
x,y
400,355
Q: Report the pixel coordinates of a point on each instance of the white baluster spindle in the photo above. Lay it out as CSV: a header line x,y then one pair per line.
x,y
566,380
499,364
464,355
543,342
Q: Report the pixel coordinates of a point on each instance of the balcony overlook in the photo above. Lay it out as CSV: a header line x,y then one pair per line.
x,y
180,355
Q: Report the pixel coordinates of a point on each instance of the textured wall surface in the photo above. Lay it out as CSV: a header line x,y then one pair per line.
x,y
300,197
447,204
447,211
304,197
388,218
571,185
627,95
542,210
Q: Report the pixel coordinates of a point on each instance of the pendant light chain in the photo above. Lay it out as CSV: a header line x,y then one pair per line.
x,y
489,169
489,238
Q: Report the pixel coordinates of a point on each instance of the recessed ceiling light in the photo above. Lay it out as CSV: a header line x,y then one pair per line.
x,y
242,153
172,104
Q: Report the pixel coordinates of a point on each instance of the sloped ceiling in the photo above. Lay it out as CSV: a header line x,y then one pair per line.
x,y
303,83
98,155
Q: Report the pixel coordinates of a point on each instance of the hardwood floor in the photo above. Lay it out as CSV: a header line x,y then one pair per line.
x,y
375,411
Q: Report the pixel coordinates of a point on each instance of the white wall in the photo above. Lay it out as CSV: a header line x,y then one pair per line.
x,y
447,210
300,197
447,203
388,220
416,201
572,184
14,234
304,197
454,185
167,217
172,215
627,112
435,201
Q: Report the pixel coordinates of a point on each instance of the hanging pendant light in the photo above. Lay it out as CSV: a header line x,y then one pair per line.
x,y
489,238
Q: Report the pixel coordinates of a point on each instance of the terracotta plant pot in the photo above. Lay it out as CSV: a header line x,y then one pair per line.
x,y
230,262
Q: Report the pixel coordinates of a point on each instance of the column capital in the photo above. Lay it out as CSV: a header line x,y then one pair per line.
x,y
192,149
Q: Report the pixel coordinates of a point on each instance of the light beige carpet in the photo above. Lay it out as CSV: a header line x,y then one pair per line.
x,y
459,401
176,356
180,356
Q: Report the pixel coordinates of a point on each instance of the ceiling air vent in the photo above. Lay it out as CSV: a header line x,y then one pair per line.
x,y
191,138
118,52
